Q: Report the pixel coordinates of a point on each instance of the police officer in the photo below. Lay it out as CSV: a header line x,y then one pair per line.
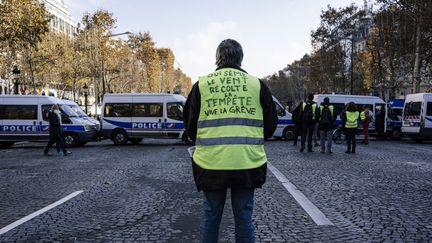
x,y
229,114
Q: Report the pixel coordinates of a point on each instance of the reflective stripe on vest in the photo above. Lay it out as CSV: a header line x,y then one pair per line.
x,y
314,105
362,115
352,119
230,133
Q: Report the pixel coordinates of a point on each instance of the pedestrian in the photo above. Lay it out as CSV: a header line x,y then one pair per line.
x,y
379,122
55,131
365,117
309,117
297,123
350,119
326,123
229,114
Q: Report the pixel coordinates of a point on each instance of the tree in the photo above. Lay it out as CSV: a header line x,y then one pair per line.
x,y
167,68
20,32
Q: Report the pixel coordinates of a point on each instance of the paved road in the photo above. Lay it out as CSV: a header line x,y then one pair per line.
x,y
146,193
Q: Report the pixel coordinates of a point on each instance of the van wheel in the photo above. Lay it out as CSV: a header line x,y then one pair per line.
x,y
136,141
120,137
187,140
288,133
396,134
6,145
71,140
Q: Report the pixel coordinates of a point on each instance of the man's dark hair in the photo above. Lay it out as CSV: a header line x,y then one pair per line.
x,y
326,100
310,96
229,53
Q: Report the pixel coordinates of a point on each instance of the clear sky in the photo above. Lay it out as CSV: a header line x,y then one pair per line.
x,y
273,33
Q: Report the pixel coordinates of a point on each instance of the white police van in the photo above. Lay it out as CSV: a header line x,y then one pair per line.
x,y
339,102
25,118
417,116
132,117
285,125
75,107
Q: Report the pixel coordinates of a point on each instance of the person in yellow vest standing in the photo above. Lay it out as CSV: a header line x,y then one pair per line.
x,y
326,123
365,117
229,114
350,120
309,116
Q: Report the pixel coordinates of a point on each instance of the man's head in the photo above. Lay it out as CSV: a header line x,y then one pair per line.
x,y
326,100
229,53
310,96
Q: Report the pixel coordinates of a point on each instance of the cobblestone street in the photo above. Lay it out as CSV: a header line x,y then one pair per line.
x,y
146,192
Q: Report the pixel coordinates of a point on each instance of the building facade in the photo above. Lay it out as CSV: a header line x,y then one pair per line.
x,y
61,19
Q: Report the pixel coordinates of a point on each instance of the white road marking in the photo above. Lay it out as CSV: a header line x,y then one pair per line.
x,y
317,216
39,212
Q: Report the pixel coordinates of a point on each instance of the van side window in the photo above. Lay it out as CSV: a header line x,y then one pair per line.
x,y
45,112
18,112
412,109
429,109
118,110
148,110
175,111
279,110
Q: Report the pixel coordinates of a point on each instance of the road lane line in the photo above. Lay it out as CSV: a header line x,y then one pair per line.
x,y
317,216
39,212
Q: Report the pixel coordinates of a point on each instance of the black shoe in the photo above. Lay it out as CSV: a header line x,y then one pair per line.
x,y
347,152
329,152
67,153
302,149
47,154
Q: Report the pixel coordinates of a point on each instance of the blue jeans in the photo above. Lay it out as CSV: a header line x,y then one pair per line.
x,y
242,205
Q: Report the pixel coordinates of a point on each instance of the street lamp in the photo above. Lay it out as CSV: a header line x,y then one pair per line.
x,y
16,76
85,90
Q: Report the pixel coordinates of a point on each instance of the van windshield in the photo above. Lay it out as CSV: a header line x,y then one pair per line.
x,y
412,109
68,111
78,110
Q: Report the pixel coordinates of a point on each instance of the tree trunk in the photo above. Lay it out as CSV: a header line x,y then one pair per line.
x,y
415,78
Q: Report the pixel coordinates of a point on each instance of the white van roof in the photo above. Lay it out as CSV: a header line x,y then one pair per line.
x,y
338,98
27,98
418,97
142,96
69,102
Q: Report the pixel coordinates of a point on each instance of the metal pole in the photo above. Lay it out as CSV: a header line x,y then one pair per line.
x,y
85,102
352,66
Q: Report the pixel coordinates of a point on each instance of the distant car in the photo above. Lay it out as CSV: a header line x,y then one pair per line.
x,y
285,125
75,107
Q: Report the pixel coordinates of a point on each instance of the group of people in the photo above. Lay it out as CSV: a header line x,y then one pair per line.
x,y
309,117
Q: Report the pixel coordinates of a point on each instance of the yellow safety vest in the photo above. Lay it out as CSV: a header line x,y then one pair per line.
x,y
314,105
352,119
230,133
331,108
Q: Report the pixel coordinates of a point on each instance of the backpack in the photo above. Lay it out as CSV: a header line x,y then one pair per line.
x,y
307,115
326,116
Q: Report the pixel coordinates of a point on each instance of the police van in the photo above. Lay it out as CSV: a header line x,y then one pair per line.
x,y
375,104
132,117
75,107
25,118
417,116
285,125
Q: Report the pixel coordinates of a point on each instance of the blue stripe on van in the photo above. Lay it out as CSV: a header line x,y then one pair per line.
x,y
429,119
119,124
285,121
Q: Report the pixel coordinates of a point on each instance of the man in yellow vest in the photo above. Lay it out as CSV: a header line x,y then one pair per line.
x,y
229,114
309,116
350,119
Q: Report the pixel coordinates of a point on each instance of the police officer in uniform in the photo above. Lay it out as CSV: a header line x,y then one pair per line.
x,y
229,114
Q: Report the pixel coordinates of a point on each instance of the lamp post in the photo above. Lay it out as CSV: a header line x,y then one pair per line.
x,y
16,76
85,90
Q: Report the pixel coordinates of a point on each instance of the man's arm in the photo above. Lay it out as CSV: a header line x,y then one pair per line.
x,y
269,111
191,112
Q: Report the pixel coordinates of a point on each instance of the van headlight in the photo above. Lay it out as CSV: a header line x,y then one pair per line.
x,y
88,127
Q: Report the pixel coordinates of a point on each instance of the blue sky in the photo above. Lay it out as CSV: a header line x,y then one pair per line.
x,y
273,33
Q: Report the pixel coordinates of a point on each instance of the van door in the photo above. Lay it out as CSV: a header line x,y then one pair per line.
x,y
428,114
173,123
147,119
380,119
19,119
